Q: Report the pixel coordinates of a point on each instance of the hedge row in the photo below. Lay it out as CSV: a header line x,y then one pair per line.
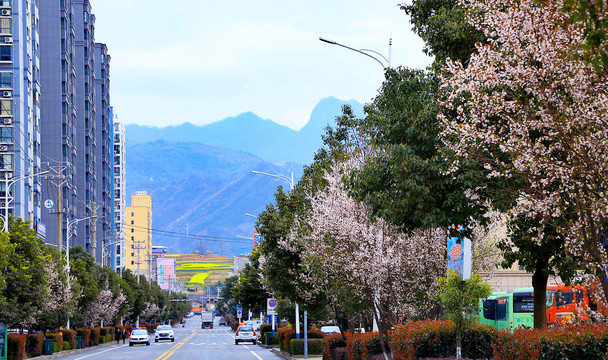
x,y
436,339
286,334
296,347
21,346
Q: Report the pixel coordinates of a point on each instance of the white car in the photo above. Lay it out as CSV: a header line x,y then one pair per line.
x,y
245,333
139,336
330,330
164,332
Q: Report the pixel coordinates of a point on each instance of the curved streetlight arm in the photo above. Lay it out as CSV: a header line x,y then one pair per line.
x,y
9,198
362,51
377,53
284,178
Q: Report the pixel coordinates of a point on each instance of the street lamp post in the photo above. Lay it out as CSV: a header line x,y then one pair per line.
x,y
9,198
365,51
67,251
291,184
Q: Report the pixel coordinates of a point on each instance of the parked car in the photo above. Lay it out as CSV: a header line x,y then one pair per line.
x,y
139,336
164,332
222,321
330,329
245,333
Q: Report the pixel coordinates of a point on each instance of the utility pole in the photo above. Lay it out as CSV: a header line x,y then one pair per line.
x,y
60,180
92,238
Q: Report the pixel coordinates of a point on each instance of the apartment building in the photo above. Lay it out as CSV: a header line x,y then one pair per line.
x,y
20,186
120,196
76,135
138,228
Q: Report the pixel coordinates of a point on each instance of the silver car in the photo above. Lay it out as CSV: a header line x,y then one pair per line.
x,y
163,332
139,336
245,333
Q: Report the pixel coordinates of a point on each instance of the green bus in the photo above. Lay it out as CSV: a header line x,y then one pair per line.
x,y
508,309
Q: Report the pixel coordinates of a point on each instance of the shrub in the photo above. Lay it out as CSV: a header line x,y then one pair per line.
x,y
70,336
34,345
85,334
363,346
234,325
58,341
283,345
16,346
94,340
102,339
66,345
332,341
296,347
264,328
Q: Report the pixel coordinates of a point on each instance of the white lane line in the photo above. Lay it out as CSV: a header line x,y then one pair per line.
x,y
254,354
100,352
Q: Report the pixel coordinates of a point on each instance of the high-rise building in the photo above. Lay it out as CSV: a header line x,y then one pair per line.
x,y
77,127
19,111
86,143
106,236
58,114
120,196
139,235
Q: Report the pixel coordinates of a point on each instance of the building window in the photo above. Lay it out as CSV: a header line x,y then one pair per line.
x,y
132,222
5,26
132,238
132,230
132,262
6,53
6,80
132,254
6,107
132,214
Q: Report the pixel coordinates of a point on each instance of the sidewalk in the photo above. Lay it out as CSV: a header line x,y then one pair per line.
x,y
75,351
286,356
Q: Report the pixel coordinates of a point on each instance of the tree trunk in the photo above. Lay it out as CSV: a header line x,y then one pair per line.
x,y
539,283
459,341
376,310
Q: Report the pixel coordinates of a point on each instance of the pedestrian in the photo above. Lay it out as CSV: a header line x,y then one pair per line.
x,y
124,335
118,335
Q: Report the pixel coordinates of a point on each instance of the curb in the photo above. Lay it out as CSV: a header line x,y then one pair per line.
x,y
286,356
73,351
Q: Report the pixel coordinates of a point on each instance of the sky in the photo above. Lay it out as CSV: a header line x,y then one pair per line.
x,y
200,61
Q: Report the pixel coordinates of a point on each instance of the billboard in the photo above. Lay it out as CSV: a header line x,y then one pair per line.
x,y
165,270
459,256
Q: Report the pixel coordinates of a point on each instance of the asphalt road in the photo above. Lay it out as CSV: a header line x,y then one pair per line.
x,y
191,342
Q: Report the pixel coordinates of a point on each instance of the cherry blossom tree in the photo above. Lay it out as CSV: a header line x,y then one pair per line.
x,y
105,307
529,108
344,249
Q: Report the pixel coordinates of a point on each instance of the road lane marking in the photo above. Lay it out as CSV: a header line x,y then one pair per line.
x,y
254,354
170,352
113,348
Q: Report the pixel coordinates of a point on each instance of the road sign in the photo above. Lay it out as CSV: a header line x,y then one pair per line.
x,y
271,306
48,203
239,314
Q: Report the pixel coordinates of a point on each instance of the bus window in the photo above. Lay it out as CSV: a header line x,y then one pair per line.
x,y
564,297
501,309
550,297
580,296
489,309
523,303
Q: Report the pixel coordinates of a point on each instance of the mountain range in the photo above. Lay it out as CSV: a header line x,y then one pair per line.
x,y
200,177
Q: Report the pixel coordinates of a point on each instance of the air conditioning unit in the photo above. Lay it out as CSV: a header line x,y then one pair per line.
x,y
7,93
8,121
3,147
8,39
6,12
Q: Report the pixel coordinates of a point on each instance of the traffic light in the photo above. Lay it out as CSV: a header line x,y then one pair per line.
x,y
207,300
215,301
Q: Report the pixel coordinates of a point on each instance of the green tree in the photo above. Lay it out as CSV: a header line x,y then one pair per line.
x,y
460,300
249,291
25,280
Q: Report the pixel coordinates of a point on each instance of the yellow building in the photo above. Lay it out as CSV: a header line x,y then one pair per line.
x,y
138,229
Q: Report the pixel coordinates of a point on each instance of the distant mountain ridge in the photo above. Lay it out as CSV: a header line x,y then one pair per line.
x,y
250,133
200,176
